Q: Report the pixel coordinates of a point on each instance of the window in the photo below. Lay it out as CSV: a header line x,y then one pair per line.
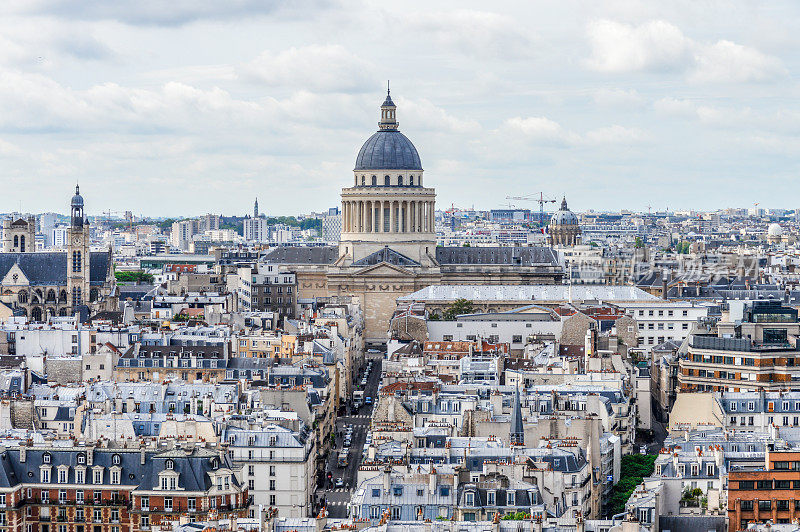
x,y
76,261
79,497
386,180
80,476
511,498
45,475
115,476
62,476
272,484
145,503
98,476
376,492
374,512
469,499
144,522
167,504
192,504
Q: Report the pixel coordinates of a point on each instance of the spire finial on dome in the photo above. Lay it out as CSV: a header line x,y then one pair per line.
x,y
564,203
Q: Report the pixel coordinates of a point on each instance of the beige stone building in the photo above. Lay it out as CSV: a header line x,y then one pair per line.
x,y
388,242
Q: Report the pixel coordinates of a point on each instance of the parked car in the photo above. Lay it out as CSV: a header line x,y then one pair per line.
x,y
339,483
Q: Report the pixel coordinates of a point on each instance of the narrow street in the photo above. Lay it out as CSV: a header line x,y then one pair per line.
x,y
337,497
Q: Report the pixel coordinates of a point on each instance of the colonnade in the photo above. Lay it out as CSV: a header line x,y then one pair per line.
x,y
387,216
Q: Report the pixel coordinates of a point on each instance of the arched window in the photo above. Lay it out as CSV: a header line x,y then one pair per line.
x,y
62,296
22,243
16,241
363,180
399,181
116,459
411,180
76,296
22,297
170,465
386,181
76,261
46,458
93,295
374,181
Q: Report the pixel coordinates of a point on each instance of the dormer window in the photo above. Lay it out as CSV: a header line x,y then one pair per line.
x,y
116,459
511,498
46,458
81,459
469,498
170,465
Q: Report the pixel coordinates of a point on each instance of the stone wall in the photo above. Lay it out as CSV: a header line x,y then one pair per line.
x,y
63,370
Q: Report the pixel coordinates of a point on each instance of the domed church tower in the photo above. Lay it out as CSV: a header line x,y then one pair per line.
x,y
388,207
564,229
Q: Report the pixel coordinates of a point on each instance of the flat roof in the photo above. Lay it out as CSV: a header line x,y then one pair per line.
x,y
518,293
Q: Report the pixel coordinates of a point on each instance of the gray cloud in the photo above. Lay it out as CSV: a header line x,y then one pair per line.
x,y
160,13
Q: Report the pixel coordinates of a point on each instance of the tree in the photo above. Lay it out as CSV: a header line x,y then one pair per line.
x,y
633,469
639,242
459,306
133,277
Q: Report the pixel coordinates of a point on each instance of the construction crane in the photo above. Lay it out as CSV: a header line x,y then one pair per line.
x,y
541,200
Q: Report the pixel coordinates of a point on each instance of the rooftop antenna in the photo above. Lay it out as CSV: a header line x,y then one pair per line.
x,y
388,91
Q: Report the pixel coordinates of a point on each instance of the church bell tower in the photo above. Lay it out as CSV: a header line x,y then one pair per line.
x,y
78,272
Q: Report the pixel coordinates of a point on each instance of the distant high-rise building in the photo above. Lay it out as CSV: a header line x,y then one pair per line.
x,y
332,225
255,209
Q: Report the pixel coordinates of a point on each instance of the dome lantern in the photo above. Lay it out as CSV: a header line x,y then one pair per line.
x,y
388,113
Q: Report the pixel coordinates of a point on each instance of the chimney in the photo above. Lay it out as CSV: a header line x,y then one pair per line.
x,y
386,479
432,483
23,452
142,456
90,455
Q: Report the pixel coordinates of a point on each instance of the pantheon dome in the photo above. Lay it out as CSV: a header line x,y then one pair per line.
x,y
388,149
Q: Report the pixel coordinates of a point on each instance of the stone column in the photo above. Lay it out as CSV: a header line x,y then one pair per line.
x,y
345,216
383,216
433,216
391,216
362,208
368,207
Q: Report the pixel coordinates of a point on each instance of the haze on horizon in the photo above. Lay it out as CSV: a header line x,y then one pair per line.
x,y
186,107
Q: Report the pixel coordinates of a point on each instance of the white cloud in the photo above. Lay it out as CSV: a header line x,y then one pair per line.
x,y
654,45
539,129
424,115
660,46
323,68
616,134
618,97
728,62
479,33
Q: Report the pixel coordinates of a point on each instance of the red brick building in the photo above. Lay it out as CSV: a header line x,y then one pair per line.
x,y
765,494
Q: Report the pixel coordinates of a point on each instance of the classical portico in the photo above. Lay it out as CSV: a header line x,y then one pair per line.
x,y
388,204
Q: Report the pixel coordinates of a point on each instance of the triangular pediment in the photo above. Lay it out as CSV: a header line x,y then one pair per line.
x,y
387,255
15,277
383,269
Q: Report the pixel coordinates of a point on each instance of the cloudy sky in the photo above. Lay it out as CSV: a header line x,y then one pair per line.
x,y
183,107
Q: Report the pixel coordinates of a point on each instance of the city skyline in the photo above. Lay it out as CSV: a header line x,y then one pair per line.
x,y
619,105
